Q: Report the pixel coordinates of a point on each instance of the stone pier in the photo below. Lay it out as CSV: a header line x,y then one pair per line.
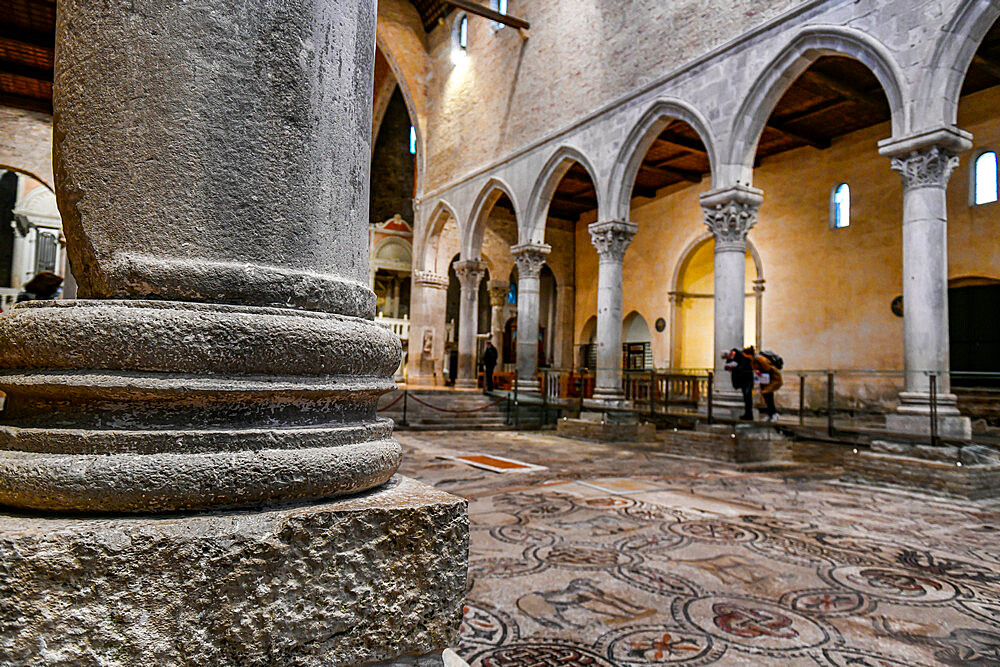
x,y
192,449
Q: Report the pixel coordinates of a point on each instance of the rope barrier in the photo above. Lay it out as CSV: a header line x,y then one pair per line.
x,y
480,409
398,399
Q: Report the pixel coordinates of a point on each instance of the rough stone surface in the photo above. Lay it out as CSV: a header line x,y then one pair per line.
x,y
249,180
351,582
979,455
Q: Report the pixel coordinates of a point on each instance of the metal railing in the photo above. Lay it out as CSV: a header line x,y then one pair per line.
x,y
844,405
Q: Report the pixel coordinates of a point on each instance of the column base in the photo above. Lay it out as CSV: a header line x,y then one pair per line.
x,y
377,577
914,416
727,404
532,386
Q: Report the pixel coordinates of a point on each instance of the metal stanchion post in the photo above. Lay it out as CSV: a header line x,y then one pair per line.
x,y
652,394
517,408
829,405
583,386
545,398
711,391
934,424
802,400
403,422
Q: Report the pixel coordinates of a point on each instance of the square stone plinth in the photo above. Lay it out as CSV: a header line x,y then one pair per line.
x,y
367,579
597,431
731,444
938,477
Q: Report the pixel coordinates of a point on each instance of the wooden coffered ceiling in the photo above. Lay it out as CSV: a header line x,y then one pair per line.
x,y
27,46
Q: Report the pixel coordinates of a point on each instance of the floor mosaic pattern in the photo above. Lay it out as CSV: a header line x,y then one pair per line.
x,y
617,557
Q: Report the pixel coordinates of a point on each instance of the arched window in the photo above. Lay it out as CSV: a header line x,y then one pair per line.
x,y
840,207
500,7
463,32
984,179
413,140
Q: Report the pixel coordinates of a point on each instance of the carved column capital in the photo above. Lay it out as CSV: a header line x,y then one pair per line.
x,y
470,272
731,213
529,258
927,167
926,159
430,279
498,290
612,238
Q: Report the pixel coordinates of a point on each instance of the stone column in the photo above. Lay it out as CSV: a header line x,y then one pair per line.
x,y
611,240
729,214
529,258
470,274
428,307
925,162
212,364
498,290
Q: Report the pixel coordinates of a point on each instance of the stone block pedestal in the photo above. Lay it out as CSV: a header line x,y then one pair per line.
x,y
969,472
606,431
366,579
731,444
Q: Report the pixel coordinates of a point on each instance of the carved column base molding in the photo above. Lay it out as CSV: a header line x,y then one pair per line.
x,y
144,406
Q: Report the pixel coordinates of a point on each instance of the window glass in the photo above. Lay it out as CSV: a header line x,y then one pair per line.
x,y
413,140
986,178
463,32
502,7
841,206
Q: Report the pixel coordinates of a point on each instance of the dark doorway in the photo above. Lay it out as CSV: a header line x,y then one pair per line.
x,y
975,334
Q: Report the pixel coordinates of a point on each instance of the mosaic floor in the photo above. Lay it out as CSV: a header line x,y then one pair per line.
x,y
615,557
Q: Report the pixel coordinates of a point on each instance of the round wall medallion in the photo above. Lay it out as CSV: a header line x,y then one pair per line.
x,y
897,306
661,324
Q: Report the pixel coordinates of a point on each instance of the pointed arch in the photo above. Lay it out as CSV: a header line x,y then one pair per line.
x,y
430,235
639,140
400,36
472,236
545,186
25,172
803,50
939,92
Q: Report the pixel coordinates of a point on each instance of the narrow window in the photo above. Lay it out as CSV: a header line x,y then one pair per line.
x,y
463,32
985,178
413,140
840,207
502,7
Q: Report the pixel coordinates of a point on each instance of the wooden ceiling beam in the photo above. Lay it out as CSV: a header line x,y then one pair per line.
x,y
812,111
25,102
989,66
41,40
846,90
486,12
664,170
26,71
692,145
808,137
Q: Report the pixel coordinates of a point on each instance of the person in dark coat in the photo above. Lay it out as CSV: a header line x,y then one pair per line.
x,y
740,366
42,287
489,362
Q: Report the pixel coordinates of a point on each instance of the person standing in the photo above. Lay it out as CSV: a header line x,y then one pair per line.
x,y
489,363
769,384
740,366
